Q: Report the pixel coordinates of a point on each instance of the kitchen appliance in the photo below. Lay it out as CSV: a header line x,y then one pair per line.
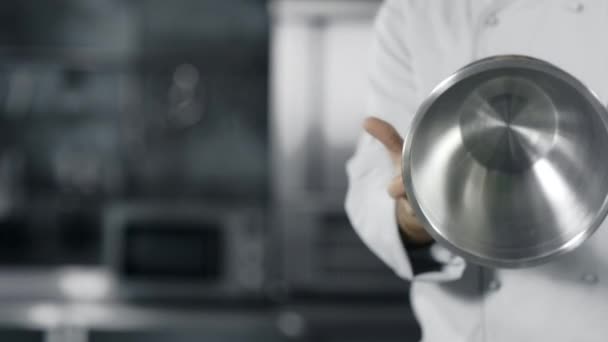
x,y
178,251
317,99
504,162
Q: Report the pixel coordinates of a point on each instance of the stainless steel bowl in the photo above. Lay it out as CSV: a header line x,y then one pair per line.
x,y
505,162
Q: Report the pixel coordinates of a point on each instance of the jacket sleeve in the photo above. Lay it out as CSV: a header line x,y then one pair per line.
x,y
392,97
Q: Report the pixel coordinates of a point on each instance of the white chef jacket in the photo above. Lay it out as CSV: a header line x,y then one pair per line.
x,y
416,45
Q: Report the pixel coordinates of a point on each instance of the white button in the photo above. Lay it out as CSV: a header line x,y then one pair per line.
x,y
590,278
494,285
491,20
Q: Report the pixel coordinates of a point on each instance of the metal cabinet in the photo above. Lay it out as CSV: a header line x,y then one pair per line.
x,y
319,54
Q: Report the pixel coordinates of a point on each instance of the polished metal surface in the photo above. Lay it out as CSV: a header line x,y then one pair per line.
x,y
504,162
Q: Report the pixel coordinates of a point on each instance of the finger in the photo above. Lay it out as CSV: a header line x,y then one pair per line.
x,y
407,207
413,225
410,224
408,218
416,232
396,189
385,133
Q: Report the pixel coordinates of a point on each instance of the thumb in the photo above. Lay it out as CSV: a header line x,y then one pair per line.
x,y
386,134
396,189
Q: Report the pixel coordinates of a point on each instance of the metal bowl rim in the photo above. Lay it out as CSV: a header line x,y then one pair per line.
x,y
476,67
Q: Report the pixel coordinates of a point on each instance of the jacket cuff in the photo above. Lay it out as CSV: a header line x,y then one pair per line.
x,y
372,214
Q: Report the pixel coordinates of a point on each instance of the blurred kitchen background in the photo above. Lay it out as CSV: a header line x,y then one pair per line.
x,y
174,171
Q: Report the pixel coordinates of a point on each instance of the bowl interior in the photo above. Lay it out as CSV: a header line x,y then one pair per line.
x,y
507,165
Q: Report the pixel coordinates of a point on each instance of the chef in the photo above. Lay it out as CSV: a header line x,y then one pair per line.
x,y
416,45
